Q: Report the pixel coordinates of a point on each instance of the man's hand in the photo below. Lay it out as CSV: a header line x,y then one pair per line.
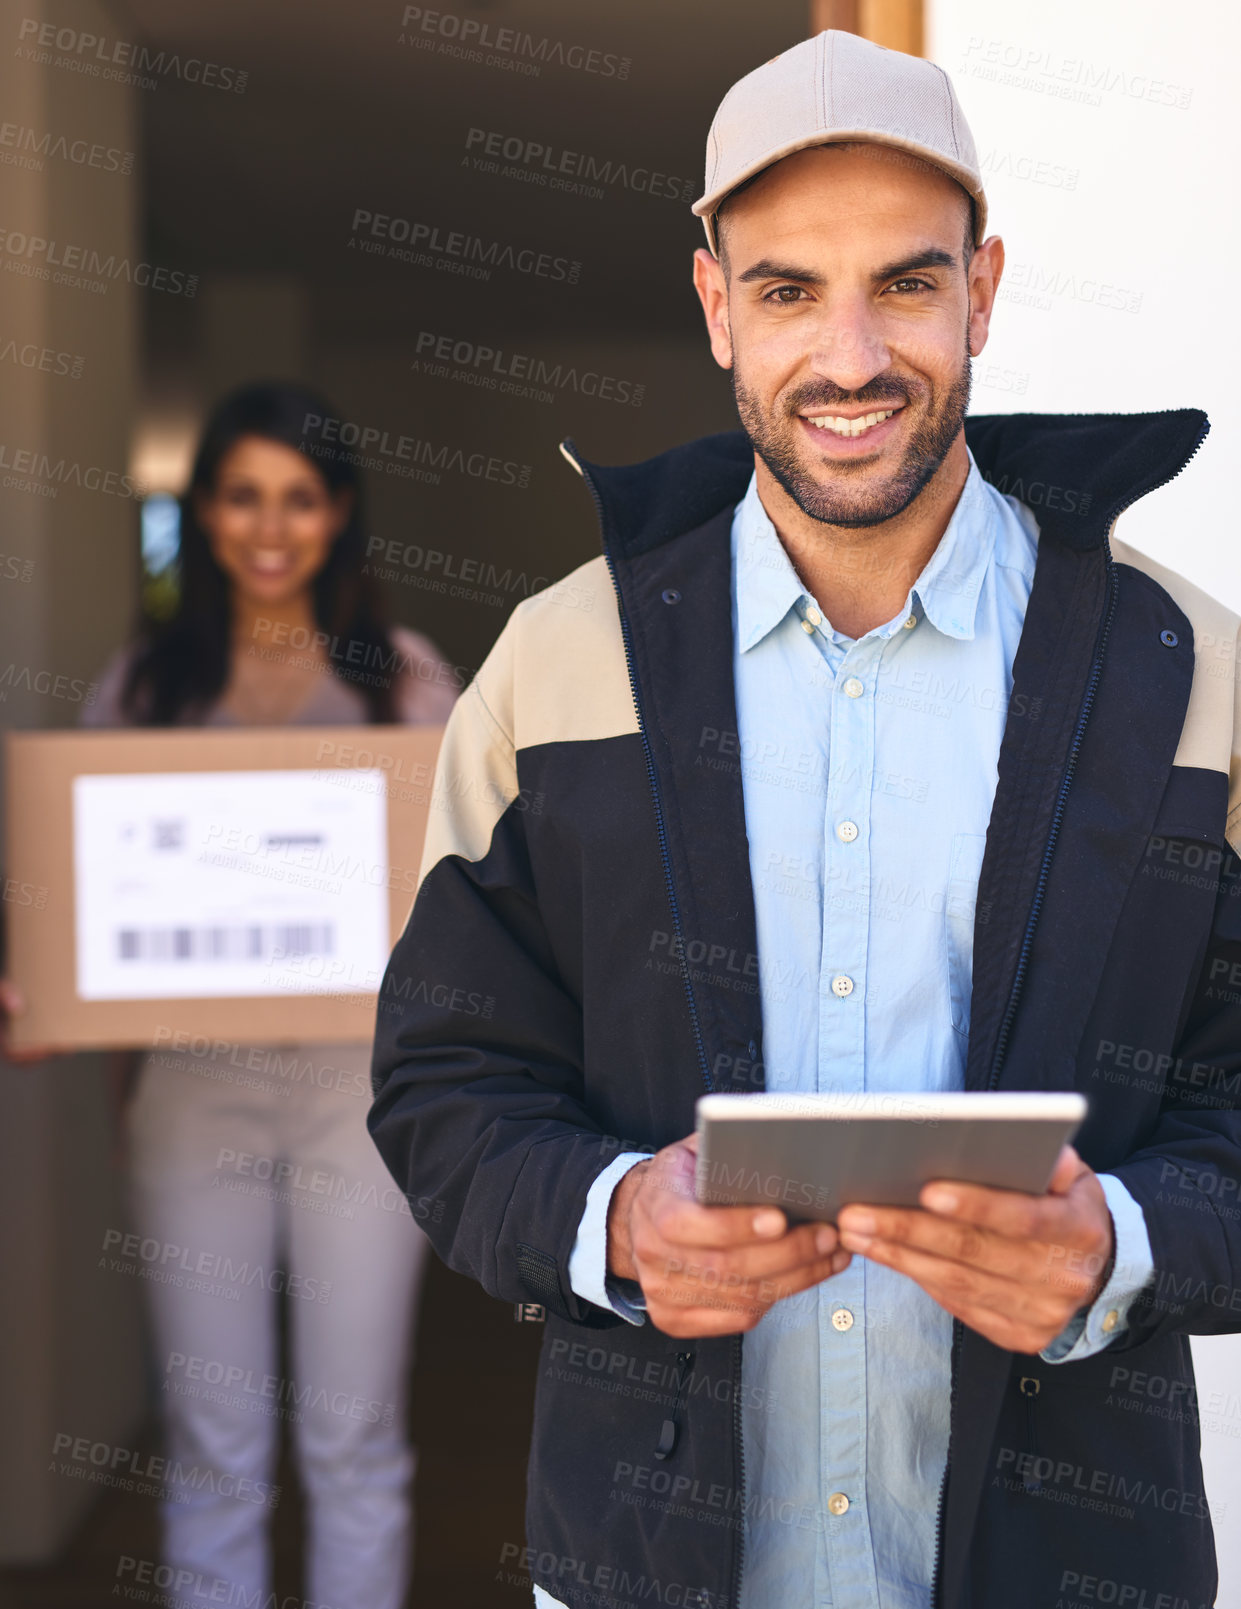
x,y
1014,1267
708,1270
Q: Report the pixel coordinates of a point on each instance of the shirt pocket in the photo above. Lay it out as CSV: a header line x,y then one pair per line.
x,y
959,901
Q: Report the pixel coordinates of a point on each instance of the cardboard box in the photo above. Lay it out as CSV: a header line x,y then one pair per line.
x,y
134,907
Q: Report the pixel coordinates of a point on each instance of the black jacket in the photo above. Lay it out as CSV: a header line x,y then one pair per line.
x,y
579,967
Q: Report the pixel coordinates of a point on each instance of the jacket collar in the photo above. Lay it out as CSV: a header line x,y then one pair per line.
x,y
1077,472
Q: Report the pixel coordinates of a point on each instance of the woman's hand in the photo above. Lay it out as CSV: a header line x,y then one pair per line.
x,y
120,1068
12,1004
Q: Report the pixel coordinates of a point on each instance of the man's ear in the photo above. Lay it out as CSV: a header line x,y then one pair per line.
x,y
986,268
712,290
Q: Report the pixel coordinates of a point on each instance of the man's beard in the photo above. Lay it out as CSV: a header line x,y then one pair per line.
x,y
849,496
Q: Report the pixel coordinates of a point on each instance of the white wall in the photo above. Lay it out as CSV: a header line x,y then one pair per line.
x,y
1130,184
1111,146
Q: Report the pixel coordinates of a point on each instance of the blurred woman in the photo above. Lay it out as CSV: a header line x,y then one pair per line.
x,y
272,537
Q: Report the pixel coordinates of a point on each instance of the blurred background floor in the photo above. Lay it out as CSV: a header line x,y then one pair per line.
x,y
472,1395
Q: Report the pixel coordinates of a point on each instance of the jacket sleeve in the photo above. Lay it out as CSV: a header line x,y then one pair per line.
x,y
480,1109
1187,1179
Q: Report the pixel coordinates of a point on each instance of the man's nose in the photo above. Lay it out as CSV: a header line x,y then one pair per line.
x,y
850,349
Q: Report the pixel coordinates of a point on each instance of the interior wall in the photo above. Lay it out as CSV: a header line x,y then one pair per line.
x,y
70,1360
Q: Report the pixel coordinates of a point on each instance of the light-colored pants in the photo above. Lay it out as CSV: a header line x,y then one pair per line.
x,y
253,1173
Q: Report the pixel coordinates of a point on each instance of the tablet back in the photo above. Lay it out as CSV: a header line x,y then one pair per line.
x,y
809,1155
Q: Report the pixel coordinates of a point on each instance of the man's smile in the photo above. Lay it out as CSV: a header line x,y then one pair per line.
x,y
848,424
849,435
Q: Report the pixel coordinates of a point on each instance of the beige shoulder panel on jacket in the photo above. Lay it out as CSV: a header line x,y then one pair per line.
x,y
556,674
1211,736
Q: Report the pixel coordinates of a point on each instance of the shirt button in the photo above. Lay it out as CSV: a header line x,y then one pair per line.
x,y
1111,1319
854,688
910,622
842,986
842,1319
813,616
806,626
847,831
837,1503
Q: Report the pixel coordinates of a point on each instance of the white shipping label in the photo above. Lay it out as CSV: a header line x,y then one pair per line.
x,y
227,883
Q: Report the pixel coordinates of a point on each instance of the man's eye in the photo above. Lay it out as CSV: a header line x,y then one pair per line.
x,y
785,295
909,286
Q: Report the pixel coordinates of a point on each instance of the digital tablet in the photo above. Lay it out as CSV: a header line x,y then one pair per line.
x,y
811,1154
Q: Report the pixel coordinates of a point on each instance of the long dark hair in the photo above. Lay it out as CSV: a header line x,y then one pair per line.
x,y
181,664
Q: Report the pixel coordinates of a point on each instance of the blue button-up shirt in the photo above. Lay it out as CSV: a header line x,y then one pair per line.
x,y
869,771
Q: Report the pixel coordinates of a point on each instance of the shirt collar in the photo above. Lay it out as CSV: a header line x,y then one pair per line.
x,y
946,592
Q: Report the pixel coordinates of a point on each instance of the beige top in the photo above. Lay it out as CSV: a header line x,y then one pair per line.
x,y
424,692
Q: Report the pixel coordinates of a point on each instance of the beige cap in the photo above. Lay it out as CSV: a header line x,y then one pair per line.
x,y
834,87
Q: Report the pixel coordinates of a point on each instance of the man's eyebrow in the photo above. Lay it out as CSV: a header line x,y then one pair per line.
x,y
933,257
767,268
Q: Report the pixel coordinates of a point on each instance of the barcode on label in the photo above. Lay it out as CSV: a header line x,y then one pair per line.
x,y
253,942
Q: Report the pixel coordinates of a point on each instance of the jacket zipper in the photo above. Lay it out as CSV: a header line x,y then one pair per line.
x,y
652,778
958,1334
739,1445
566,448
671,1427
1049,849
1096,670
1010,1011
1029,1385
